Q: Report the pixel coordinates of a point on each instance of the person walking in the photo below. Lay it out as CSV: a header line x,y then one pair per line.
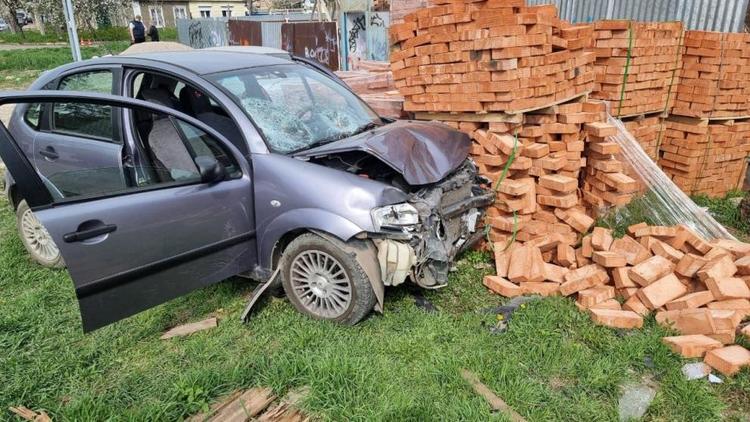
x,y
137,30
153,32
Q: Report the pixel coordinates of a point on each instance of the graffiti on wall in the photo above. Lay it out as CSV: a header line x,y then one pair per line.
x,y
377,34
366,36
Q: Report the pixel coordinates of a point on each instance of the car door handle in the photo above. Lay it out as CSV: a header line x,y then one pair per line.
x,y
81,235
49,153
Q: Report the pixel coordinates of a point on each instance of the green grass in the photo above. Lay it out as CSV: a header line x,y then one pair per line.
x,y
726,211
113,33
552,363
18,68
641,209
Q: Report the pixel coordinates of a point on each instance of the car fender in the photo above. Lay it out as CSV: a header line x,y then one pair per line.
x,y
309,219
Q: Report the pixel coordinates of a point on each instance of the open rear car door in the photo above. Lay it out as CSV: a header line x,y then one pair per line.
x,y
175,215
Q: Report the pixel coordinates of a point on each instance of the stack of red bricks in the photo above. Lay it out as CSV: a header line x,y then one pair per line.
x,y
536,165
489,56
715,76
649,132
606,184
705,157
373,82
699,288
637,63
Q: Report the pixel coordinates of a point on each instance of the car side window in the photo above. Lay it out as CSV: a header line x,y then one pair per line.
x,y
31,117
168,150
171,148
86,120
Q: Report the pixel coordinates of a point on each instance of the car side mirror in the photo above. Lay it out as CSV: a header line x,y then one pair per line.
x,y
210,169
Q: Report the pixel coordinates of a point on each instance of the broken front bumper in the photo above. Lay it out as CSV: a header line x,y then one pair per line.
x,y
448,215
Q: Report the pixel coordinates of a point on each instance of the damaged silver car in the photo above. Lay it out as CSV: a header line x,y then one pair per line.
x,y
157,174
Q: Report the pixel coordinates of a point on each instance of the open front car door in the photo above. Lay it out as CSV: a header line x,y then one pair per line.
x,y
174,213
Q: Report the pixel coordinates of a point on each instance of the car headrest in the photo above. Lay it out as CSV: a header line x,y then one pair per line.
x,y
160,96
198,101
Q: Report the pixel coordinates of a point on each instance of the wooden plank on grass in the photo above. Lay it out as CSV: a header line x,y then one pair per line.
x,y
193,327
496,403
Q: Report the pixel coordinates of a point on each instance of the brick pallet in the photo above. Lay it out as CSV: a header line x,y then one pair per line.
x,y
715,76
699,288
489,56
705,157
638,63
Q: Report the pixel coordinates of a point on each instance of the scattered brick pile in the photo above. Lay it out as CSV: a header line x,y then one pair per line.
x,y
701,289
373,82
705,157
715,76
489,56
645,82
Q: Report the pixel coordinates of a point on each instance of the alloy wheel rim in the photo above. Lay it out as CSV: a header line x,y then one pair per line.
x,y
38,238
321,284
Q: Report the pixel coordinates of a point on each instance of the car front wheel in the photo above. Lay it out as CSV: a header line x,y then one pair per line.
x,y
325,281
36,239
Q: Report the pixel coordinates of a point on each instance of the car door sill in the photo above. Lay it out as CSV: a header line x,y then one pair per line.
x,y
124,277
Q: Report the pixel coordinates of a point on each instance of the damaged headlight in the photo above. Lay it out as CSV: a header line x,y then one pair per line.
x,y
397,216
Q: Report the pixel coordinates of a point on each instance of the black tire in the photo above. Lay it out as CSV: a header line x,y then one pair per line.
x,y
47,255
361,298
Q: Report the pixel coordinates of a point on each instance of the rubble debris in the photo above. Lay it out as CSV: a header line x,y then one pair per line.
x,y
187,329
635,401
695,371
256,404
27,414
423,303
496,403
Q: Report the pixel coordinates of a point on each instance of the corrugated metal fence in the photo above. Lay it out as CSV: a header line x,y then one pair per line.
x,y
705,15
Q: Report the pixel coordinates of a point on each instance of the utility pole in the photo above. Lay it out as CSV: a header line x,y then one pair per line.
x,y
70,23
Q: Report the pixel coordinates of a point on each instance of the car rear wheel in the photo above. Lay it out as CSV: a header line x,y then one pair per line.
x,y
36,239
325,281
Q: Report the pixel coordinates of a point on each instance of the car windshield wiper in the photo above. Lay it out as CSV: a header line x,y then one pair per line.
x,y
338,137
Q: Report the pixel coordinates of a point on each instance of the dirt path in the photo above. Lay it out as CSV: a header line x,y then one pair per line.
x,y
27,46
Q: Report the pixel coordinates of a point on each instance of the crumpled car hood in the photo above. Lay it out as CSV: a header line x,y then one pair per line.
x,y
423,152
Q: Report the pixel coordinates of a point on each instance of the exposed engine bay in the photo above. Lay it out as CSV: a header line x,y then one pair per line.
x,y
449,212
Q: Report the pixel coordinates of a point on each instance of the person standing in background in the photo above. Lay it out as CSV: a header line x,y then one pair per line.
x,y
137,30
153,32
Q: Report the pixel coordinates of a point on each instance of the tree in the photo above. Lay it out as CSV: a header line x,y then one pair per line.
x,y
8,11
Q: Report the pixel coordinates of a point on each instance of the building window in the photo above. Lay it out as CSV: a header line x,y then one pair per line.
x,y
157,15
179,12
226,11
205,11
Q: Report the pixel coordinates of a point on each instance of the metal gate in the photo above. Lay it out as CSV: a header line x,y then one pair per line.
x,y
245,32
315,40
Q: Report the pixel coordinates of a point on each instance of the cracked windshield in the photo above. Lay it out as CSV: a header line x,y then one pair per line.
x,y
298,108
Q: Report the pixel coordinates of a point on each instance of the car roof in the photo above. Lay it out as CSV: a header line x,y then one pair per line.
x,y
201,62
204,62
